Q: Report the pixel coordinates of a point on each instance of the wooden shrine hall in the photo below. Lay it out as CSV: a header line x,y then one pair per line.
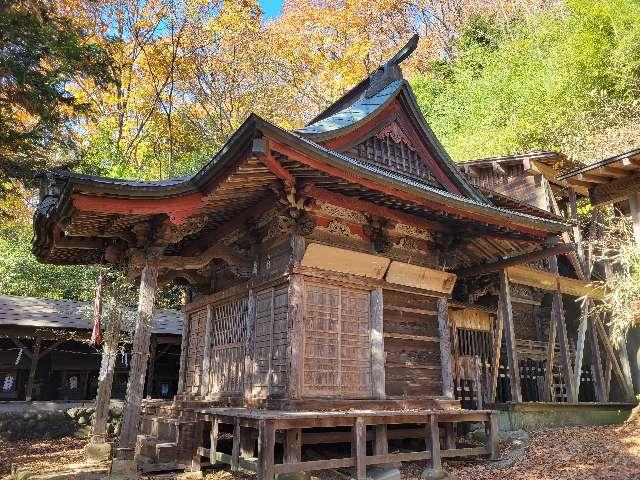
x,y
331,270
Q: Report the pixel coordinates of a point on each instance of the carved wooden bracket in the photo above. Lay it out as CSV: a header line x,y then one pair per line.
x,y
396,134
376,231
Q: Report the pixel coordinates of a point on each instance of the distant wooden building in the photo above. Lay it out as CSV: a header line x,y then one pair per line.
x,y
45,355
346,274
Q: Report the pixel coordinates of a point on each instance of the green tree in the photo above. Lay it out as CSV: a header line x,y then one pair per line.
x,y
41,53
565,78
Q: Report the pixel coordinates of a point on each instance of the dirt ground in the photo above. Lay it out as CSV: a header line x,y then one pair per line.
x,y
575,453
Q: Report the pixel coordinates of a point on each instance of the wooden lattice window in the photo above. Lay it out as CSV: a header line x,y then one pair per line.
x,y
337,346
228,345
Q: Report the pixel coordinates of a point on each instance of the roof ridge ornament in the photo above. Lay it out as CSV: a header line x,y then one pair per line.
x,y
390,71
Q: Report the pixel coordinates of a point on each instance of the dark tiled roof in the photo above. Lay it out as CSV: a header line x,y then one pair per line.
x,y
48,313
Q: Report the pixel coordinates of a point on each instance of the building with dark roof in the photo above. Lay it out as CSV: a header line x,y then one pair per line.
x,y
66,366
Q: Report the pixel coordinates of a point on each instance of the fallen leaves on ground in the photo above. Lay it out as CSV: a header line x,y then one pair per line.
x,y
45,455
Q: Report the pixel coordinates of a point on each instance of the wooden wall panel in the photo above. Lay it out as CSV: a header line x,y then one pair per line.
x,y
411,344
525,321
337,348
270,342
195,350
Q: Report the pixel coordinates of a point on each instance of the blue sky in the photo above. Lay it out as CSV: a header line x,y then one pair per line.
x,y
271,8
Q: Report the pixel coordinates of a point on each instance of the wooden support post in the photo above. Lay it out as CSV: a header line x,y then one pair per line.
x,y
510,337
35,357
450,438
105,376
548,393
196,461
491,428
561,331
611,356
139,354
247,443
496,349
184,342
377,344
432,440
248,355
266,444
596,362
293,445
235,450
445,348
634,208
381,441
360,447
206,354
296,325
213,441
582,335
152,366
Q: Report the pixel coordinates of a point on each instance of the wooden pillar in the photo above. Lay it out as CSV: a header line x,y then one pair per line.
x,y
377,344
266,444
551,353
445,348
596,362
213,441
561,331
293,445
510,337
432,440
496,350
450,435
235,449
196,461
206,355
153,347
105,377
35,357
491,428
248,350
296,322
139,354
634,209
184,347
360,448
381,441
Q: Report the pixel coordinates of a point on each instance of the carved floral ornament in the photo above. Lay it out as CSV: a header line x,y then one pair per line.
x,y
397,135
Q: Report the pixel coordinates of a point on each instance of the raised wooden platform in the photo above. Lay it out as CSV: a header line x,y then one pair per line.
x,y
266,422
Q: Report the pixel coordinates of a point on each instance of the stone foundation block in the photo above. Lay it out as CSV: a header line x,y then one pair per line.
x,y
98,452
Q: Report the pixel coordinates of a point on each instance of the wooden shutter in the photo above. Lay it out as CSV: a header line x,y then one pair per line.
x,y
337,351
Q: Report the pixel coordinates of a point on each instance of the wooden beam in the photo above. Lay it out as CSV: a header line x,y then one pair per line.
x,y
510,336
561,331
445,348
432,440
517,260
213,440
235,448
547,393
377,344
277,169
604,337
615,190
596,362
222,252
533,277
353,203
178,209
139,354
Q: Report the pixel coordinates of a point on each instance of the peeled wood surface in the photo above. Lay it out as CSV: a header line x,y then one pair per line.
x,y
547,281
344,261
420,277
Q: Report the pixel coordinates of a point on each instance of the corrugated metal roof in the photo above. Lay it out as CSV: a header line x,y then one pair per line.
x,y
48,313
356,112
